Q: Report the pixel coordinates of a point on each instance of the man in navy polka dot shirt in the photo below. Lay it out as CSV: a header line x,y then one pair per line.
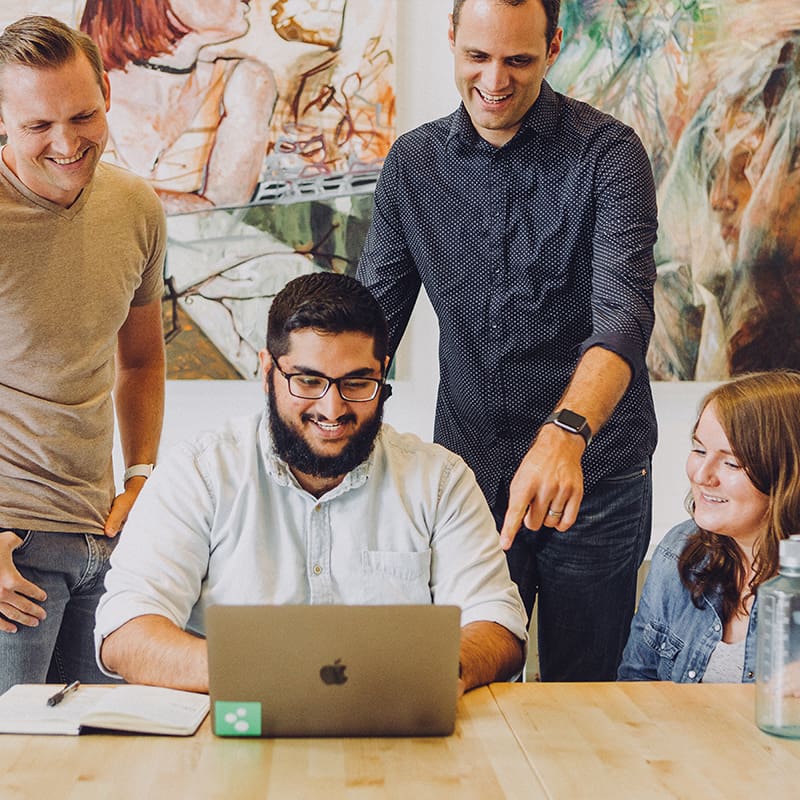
x,y
530,218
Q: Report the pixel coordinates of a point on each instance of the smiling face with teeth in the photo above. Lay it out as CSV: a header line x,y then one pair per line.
x,y
501,56
725,499
55,121
322,440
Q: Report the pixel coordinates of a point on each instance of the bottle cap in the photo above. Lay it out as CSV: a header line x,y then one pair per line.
x,y
789,552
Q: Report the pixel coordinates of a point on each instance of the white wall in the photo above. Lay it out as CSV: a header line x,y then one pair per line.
x,y
426,91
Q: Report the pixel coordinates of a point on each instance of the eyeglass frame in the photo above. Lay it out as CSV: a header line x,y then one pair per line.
x,y
379,382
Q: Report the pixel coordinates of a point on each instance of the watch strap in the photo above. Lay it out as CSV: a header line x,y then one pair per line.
x,y
580,428
137,471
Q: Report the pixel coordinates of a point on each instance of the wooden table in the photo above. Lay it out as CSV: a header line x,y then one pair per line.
x,y
649,740
481,760
532,741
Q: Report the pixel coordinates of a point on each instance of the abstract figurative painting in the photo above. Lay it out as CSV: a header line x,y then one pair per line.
x,y
225,265
262,125
713,89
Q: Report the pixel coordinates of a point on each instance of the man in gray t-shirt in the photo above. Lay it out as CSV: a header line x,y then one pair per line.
x,y
81,281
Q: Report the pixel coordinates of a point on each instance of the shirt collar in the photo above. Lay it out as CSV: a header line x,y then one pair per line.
x,y
540,120
279,470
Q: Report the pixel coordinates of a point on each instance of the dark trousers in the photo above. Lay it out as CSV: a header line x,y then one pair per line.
x,y
585,578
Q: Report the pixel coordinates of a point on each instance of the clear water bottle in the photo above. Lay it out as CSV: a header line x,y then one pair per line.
x,y
778,647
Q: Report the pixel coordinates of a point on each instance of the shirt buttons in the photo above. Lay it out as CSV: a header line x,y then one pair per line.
x,y
692,674
717,627
317,569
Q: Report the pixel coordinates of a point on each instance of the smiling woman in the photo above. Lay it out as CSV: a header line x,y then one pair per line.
x,y
744,499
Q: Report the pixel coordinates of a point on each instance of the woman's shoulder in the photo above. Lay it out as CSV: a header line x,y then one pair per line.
x,y
674,541
664,588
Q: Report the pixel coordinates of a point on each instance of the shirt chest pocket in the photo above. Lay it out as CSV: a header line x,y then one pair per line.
x,y
666,646
390,577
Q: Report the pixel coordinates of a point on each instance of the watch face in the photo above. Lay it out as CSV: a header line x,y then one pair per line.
x,y
571,419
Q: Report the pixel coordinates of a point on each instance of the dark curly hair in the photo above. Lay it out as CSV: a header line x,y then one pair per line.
x,y
328,302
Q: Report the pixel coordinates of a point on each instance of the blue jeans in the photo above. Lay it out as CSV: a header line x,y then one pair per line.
x,y
71,568
585,578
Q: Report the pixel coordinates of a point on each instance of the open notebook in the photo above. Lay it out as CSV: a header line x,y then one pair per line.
x,y
333,670
140,709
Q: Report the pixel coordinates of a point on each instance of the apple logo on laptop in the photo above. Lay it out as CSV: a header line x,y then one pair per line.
x,y
333,674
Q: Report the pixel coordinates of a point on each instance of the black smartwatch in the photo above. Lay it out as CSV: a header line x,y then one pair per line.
x,y
572,422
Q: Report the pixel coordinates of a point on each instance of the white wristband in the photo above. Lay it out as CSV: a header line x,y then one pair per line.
x,y
137,471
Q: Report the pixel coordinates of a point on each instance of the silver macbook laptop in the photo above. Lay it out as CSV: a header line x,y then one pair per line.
x,y
333,670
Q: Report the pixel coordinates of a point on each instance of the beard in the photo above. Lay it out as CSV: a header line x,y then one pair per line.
x,y
296,452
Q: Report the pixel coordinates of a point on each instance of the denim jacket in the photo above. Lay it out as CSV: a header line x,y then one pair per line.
x,y
671,639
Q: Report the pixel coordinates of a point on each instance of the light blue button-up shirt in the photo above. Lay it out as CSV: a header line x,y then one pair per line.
x,y
222,520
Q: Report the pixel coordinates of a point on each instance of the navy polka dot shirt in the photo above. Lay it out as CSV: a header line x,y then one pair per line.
x,y
530,253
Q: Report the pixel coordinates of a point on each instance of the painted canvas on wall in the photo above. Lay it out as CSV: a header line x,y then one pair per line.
x,y
225,266
262,125
713,89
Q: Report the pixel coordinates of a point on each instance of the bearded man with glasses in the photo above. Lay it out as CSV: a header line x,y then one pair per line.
x,y
315,500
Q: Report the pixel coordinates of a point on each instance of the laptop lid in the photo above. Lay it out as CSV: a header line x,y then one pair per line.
x,y
304,670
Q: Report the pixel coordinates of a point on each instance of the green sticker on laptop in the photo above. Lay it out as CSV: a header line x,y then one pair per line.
x,y
237,719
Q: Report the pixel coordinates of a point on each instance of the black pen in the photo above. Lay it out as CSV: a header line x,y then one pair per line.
x,y
60,695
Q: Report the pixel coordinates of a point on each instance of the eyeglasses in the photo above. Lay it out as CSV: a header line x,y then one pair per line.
x,y
315,387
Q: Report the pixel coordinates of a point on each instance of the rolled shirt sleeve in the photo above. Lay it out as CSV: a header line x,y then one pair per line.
x,y
468,566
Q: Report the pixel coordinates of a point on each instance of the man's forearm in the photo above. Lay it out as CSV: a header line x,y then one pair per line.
x,y
139,386
139,401
598,384
550,474
489,652
152,650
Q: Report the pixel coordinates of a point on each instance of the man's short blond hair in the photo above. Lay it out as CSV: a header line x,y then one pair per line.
x,y
45,43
